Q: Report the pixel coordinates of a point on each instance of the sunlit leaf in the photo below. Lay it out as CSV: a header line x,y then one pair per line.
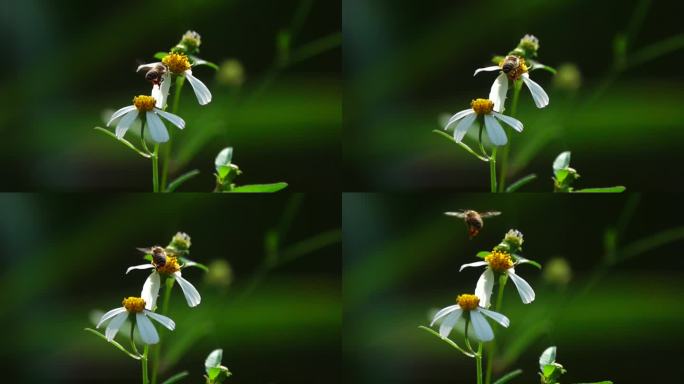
x,y
160,55
483,254
562,161
616,189
260,188
123,141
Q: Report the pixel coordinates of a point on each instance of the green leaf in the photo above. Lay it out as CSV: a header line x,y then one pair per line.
x,y
509,376
446,340
213,359
114,343
561,175
181,179
123,141
562,161
549,370
259,188
176,378
213,372
483,254
537,65
160,55
522,260
616,189
189,263
461,144
520,183
547,357
196,61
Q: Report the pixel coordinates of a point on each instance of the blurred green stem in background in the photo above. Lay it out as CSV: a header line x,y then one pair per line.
x,y
180,80
491,350
156,352
517,85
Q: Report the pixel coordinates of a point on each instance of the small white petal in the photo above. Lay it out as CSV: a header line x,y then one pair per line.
x,y
458,116
109,315
524,289
125,123
201,91
120,113
161,92
475,264
175,120
496,316
487,69
513,122
141,266
481,328
147,67
150,290
443,312
541,99
497,93
115,325
158,131
462,127
163,320
495,131
484,288
191,295
448,323
148,334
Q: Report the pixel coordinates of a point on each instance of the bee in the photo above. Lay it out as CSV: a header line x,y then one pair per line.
x,y
158,255
155,73
473,219
510,63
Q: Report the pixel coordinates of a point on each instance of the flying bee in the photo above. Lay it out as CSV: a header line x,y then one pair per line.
x,y
510,63
155,73
473,219
158,255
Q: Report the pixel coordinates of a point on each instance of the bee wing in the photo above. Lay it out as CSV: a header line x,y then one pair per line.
x,y
455,214
489,214
145,250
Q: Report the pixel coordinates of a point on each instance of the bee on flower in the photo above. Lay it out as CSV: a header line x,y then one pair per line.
x,y
135,306
484,112
174,64
468,307
144,107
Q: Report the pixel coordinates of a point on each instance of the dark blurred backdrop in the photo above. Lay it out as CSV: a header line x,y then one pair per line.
x,y
66,62
272,298
615,314
408,62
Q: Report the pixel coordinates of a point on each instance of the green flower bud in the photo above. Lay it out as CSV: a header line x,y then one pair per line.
x,y
530,44
181,241
514,239
191,40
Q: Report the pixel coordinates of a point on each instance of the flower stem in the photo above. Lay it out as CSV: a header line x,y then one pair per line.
x,y
135,349
478,362
492,171
517,86
155,169
156,352
143,361
492,346
180,80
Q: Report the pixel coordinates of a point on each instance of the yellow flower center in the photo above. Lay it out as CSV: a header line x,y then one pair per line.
x,y
176,62
482,106
499,261
144,103
468,302
134,304
171,266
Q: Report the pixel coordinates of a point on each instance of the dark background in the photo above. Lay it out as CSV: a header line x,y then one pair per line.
x,y
64,256
617,321
66,62
407,62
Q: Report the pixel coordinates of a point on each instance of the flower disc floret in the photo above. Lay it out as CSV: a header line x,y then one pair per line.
x,y
134,304
144,103
482,106
176,62
468,302
499,261
170,267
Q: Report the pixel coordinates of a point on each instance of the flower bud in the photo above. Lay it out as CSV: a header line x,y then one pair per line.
x,y
514,239
190,41
181,241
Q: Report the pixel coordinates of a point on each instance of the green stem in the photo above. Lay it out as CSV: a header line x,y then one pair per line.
x,y
492,171
517,86
492,346
135,349
155,169
156,352
478,361
180,80
143,361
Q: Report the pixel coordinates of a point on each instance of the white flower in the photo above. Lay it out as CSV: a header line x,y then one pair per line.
x,y
484,108
468,307
135,305
500,262
178,64
513,68
145,104
166,265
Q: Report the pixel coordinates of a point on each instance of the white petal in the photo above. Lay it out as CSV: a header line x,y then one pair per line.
x,y
484,288
524,290
201,91
541,99
191,295
495,131
475,264
497,93
449,322
158,131
161,92
496,316
443,312
125,123
109,315
141,266
120,113
175,120
163,320
462,127
458,116
148,334
481,328
487,69
513,122
147,67
150,290
115,325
